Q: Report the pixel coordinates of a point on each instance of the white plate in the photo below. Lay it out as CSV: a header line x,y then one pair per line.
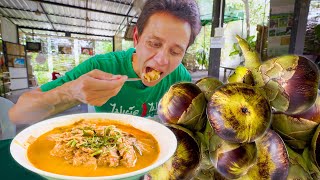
x,y
166,139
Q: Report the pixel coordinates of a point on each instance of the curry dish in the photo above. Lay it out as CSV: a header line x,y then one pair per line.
x,y
93,148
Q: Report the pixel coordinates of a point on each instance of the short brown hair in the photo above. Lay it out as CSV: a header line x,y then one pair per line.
x,y
186,10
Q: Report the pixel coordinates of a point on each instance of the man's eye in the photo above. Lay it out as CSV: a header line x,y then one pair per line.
x,y
175,53
154,44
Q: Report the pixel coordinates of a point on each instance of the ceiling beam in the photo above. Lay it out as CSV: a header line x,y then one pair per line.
x,y
78,7
46,15
118,29
43,29
119,2
65,24
45,35
58,15
86,15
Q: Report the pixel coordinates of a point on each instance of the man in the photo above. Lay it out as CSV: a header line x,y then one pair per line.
x,y
164,31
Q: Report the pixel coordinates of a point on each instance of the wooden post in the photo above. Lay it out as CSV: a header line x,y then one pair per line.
x,y
215,53
113,44
298,33
261,43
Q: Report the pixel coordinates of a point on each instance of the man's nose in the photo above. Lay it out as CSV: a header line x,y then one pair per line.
x,y
161,58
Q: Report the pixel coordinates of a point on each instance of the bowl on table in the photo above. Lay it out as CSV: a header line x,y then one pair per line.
x,y
167,142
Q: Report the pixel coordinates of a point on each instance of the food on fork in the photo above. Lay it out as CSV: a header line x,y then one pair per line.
x,y
151,74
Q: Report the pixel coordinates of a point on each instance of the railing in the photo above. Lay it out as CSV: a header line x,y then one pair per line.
x,y
227,72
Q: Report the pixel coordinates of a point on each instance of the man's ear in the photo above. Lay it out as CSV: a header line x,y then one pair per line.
x,y
135,35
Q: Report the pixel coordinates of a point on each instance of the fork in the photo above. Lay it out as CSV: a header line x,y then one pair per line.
x,y
133,79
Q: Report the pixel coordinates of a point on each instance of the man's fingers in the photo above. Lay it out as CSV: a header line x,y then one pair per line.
x,y
109,84
101,80
97,102
97,74
97,87
115,77
98,98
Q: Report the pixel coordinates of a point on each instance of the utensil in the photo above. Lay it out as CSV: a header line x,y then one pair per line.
x,y
134,79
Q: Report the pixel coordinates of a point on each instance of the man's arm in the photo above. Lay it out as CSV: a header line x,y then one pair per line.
x,y
94,88
37,105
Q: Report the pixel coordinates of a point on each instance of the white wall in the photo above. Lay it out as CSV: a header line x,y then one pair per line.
x,y
9,31
281,2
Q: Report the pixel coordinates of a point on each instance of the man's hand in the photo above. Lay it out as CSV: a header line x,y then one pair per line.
x,y
96,87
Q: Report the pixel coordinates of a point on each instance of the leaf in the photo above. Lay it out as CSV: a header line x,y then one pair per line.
x,y
313,169
235,46
236,52
194,117
250,38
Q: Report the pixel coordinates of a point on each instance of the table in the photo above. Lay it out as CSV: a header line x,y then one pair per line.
x,y
225,76
9,168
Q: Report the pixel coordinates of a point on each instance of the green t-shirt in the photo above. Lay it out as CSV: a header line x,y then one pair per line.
x,y
134,97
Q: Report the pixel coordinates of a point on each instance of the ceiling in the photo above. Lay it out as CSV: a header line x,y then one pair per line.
x,y
92,19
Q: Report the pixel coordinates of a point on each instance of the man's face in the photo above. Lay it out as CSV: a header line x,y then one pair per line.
x,y
161,46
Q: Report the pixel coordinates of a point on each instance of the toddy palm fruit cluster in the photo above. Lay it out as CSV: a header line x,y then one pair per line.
x,y
263,123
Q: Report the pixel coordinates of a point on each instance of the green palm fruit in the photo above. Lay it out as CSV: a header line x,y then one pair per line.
x,y
313,113
271,89
204,174
185,161
208,85
257,77
315,147
292,83
298,168
314,171
231,160
239,112
296,132
242,75
290,80
272,159
251,56
297,172
183,104
206,169
203,139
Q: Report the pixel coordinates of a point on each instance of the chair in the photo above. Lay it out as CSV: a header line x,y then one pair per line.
x,y
7,127
91,109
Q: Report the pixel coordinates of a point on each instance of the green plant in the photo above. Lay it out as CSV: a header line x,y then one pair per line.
x,y
102,47
42,77
202,58
237,50
189,61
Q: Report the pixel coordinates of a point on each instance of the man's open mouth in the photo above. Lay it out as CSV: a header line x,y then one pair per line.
x,y
151,74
